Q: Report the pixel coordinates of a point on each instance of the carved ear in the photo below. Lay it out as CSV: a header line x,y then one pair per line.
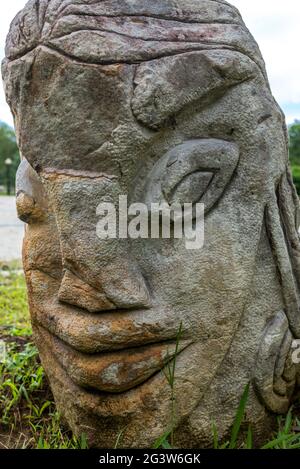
x,y
275,374
165,86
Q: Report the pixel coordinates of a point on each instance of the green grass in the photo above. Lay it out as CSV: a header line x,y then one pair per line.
x,y
28,417
14,317
286,437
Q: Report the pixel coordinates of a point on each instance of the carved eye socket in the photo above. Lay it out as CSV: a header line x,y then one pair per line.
x,y
196,171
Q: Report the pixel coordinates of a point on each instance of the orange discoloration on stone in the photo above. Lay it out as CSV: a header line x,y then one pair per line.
x,y
112,372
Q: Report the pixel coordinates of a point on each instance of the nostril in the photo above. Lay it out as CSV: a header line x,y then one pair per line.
x,y
126,295
76,292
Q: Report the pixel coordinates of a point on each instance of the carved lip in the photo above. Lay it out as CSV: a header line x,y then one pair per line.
x,y
113,372
107,332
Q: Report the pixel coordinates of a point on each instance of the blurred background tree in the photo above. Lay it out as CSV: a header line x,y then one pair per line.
x,y
294,134
8,151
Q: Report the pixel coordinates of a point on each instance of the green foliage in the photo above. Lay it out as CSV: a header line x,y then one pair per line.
x,y
294,147
8,149
119,438
28,416
249,440
169,370
14,317
21,381
162,441
236,428
286,437
239,418
294,134
296,176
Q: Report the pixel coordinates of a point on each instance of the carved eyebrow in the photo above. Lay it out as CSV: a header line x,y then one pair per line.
x,y
165,86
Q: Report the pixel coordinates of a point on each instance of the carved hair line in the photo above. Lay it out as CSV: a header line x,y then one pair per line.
x,y
128,31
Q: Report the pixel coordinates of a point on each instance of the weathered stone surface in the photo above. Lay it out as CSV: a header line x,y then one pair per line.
x,y
163,101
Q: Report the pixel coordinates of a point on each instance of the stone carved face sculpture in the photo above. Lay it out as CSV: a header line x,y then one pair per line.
x,y
157,100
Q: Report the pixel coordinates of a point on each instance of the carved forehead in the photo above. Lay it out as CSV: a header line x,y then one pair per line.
x,y
186,51
129,31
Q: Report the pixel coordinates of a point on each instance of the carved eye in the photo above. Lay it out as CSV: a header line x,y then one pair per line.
x,y
191,188
196,171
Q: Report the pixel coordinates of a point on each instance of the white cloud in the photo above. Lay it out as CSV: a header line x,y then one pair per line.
x,y
274,24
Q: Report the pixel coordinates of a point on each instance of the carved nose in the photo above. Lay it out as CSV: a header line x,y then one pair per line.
x,y
76,292
99,275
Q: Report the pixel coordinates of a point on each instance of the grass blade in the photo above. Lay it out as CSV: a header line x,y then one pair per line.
x,y
239,417
249,440
215,435
163,439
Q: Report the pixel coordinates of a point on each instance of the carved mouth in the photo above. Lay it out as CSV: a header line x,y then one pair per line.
x,y
110,352
92,333
112,372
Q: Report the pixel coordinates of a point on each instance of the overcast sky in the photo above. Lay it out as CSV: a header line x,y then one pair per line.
x,y
274,24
